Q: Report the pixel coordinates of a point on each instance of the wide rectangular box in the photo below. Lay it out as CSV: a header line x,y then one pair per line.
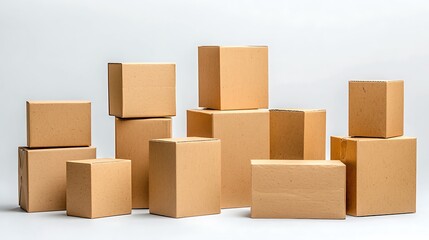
x,y
58,123
184,177
376,108
132,142
298,189
42,176
98,188
245,135
139,90
297,134
233,77
381,174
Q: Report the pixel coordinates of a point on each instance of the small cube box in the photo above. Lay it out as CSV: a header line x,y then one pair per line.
x,y
98,188
184,177
376,108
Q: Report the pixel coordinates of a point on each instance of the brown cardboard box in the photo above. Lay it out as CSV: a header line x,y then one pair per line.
x,y
184,177
233,77
381,174
297,134
142,89
298,189
98,188
132,142
42,176
58,123
245,135
376,108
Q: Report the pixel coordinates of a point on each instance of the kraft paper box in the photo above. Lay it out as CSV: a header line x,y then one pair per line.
x,y
58,123
381,174
245,135
142,89
98,188
132,142
42,176
184,177
297,134
376,108
298,189
233,77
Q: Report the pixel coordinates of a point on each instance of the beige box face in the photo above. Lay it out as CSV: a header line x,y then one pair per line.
x,y
298,189
244,135
132,142
297,134
381,174
142,89
185,177
58,123
233,77
42,176
98,188
376,108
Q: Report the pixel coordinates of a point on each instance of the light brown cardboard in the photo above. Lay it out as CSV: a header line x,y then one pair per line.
x,y
98,188
297,134
381,174
298,189
184,177
58,123
245,135
376,108
42,176
132,142
139,90
233,77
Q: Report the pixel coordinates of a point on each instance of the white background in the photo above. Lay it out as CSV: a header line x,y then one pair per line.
x,y
60,50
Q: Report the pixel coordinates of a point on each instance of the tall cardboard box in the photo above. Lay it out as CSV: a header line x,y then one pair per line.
x,y
381,174
98,188
376,108
245,135
184,177
298,189
132,142
42,176
58,123
297,134
233,77
138,90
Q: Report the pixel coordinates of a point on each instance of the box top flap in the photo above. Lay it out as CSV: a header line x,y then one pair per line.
x,y
185,139
99,161
296,110
211,111
368,139
58,101
298,162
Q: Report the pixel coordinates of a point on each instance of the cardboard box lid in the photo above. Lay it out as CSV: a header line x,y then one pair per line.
x,y
243,46
364,139
185,139
212,111
141,63
57,101
375,81
297,162
99,160
296,110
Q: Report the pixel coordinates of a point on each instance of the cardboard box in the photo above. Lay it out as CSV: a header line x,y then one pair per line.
x,y
233,77
184,177
58,123
98,188
297,134
139,90
381,174
245,135
42,176
376,108
298,189
132,142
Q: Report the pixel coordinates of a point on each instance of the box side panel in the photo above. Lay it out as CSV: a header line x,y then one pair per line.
x,y
79,190
286,135
23,179
395,109
209,77
315,135
115,89
199,124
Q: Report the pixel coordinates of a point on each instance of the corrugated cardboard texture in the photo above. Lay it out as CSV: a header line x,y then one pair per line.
x,y
132,142
297,134
233,77
58,123
381,174
42,176
185,177
298,189
376,108
98,188
142,89
245,135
